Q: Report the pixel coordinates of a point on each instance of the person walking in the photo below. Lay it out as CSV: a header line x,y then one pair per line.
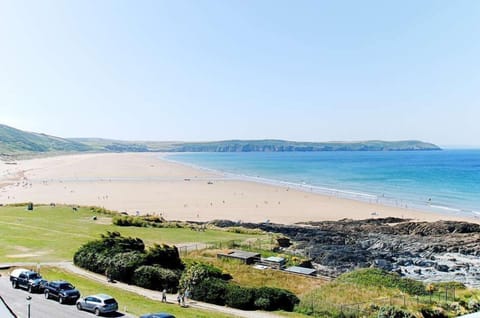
x,y
164,295
179,298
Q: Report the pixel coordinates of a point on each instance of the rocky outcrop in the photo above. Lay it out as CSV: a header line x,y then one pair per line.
x,y
443,250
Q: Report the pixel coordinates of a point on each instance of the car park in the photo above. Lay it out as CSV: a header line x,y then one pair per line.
x,y
61,290
98,304
158,315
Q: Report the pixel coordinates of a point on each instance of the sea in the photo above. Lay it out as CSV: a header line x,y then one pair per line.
x,y
446,181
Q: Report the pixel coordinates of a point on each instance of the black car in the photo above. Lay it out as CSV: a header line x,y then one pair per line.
x,y
27,279
61,290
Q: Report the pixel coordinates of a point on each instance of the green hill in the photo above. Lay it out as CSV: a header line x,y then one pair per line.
x,y
284,145
18,142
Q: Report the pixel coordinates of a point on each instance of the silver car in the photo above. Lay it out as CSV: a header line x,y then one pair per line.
x,y
98,304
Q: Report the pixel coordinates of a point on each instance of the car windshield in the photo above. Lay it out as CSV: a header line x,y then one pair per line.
x,y
109,301
34,276
66,286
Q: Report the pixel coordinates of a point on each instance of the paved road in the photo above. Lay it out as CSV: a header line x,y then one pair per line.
x,y
39,306
155,295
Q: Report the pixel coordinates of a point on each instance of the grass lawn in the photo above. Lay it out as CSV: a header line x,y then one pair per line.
x,y
246,275
134,303
49,234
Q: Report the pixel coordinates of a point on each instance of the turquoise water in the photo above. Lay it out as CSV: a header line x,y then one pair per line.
x,y
446,181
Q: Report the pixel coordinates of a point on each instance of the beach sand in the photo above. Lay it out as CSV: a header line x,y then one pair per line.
x,y
145,183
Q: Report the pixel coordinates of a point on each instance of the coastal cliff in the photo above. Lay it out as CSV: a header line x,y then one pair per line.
x,y
284,145
15,142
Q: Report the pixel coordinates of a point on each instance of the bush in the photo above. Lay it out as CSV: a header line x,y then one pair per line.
x,y
97,255
433,313
197,272
211,290
122,265
240,297
394,312
125,220
381,278
165,256
157,278
269,298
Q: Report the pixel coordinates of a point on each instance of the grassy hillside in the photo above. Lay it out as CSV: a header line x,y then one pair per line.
x,y
17,142
284,145
369,292
269,145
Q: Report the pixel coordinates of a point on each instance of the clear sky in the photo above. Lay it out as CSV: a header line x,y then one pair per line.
x,y
212,70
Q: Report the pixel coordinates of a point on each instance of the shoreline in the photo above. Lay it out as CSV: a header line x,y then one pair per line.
x,y
354,195
152,183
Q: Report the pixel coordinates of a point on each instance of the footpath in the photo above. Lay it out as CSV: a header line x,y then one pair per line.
x,y
155,295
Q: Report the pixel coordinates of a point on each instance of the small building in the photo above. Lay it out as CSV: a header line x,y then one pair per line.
x,y
243,256
301,270
274,262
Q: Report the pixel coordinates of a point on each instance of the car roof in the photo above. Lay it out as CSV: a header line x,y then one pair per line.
x,y
59,282
18,271
101,296
159,315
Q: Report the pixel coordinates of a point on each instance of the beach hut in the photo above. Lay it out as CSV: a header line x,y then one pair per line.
x,y
243,256
274,262
301,270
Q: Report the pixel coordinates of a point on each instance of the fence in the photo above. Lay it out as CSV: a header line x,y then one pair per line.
x,y
446,294
250,245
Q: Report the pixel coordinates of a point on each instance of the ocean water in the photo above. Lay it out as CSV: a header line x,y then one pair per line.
x,y
445,181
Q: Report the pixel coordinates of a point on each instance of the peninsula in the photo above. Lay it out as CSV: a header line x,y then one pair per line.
x,y
15,142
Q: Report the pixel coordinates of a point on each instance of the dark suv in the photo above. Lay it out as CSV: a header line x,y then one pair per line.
x,y
61,290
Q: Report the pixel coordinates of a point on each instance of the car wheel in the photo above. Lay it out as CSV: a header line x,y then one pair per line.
x,y
97,312
47,295
61,300
79,306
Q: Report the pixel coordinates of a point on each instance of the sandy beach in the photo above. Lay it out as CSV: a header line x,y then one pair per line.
x,y
145,183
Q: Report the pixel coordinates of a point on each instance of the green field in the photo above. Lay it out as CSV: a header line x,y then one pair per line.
x,y
49,234
133,303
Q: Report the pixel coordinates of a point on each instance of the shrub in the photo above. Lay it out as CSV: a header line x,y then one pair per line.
x,y
157,278
165,256
394,312
122,265
269,298
240,297
197,272
211,290
96,255
433,313
381,278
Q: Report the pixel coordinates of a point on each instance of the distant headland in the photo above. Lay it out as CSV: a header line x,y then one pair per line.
x,y
15,142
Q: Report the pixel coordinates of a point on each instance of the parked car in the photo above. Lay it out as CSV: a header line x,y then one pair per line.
x,y
158,315
27,279
61,290
98,304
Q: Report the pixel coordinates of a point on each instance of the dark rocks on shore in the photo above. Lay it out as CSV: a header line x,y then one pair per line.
x,y
442,250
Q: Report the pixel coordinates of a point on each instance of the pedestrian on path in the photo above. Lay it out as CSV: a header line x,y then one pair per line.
x,y
179,298
164,295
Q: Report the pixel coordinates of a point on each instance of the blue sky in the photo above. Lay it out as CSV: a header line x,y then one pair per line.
x,y
211,70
